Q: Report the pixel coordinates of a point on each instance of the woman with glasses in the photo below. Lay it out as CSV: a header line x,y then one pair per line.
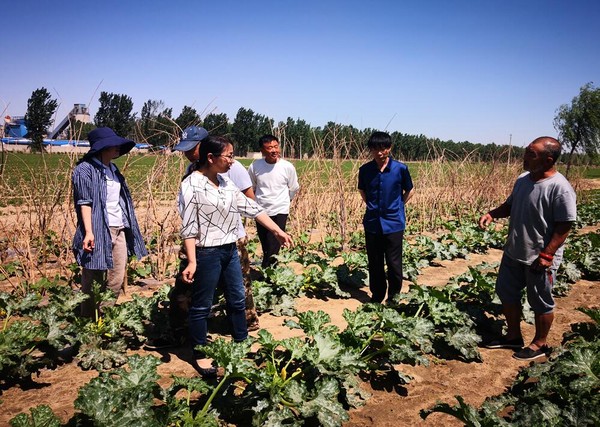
x,y
210,206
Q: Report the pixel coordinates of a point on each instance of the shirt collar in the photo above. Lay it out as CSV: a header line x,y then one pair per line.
x,y
386,168
109,167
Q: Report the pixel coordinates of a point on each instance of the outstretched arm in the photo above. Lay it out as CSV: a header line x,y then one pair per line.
x,y
283,238
502,211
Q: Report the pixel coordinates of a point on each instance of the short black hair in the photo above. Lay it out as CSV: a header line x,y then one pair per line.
x,y
265,139
380,140
214,145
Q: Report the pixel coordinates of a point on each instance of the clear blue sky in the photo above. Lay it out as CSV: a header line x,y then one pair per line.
x,y
463,70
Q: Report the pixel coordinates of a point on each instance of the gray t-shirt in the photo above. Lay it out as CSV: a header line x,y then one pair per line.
x,y
535,207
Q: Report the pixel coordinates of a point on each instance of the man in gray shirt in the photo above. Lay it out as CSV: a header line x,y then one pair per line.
x,y
542,210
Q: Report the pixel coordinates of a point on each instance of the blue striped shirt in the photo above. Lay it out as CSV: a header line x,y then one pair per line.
x,y
89,188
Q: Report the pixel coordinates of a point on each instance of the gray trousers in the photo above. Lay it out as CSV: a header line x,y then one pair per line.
x,y
108,279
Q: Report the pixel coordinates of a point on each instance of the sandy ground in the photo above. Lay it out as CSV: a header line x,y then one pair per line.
x,y
390,404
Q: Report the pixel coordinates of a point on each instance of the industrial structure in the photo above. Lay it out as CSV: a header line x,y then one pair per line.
x,y
79,113
16,126
14,136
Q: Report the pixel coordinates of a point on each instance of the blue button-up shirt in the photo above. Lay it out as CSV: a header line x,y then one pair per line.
x,y
384,196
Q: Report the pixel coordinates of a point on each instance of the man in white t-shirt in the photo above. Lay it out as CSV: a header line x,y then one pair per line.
x,y
275,184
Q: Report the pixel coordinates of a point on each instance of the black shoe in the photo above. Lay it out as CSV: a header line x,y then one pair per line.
x,y
159,344
502,342
208,373
530,354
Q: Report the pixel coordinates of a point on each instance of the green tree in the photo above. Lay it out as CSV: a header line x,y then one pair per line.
x,y
578,124
40,108
80,130
217,124
341,141
115,112
188,117
244,130
265,125
296,136
247,128
156,125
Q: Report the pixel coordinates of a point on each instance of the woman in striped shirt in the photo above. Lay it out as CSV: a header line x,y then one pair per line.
x,y
210,206
107,229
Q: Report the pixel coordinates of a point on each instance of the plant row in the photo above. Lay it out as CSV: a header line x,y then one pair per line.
x,y
295,381
41,329
290,381
565,390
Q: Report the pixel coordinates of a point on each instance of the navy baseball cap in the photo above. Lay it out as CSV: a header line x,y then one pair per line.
x,y
191,137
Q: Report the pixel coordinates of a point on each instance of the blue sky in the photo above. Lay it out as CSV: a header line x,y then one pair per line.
x,y
462,70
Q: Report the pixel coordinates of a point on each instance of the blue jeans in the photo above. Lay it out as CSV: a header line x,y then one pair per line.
x,y
212,264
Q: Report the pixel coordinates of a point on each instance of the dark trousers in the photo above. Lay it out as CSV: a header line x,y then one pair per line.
x,y
384,249
270,245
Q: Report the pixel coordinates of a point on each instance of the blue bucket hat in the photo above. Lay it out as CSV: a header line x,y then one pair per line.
x,y
101,138
191,137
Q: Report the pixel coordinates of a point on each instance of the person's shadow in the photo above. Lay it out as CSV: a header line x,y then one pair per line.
x,y
218,325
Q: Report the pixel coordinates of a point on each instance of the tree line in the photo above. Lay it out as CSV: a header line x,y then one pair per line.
x,y
577,124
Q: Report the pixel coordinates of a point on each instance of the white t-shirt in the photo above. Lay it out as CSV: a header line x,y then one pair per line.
x,y
113,195
275,185
239,175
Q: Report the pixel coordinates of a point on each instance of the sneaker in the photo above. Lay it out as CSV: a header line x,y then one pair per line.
x,y
502,342
530,354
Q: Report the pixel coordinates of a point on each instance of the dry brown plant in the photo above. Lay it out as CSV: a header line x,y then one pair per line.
x,y
447,187
328,200
37,227
158,214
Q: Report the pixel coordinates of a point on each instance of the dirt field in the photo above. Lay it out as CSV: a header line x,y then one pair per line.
x,y
390,404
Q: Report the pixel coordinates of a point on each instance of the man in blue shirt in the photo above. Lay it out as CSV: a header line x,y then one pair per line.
x,y
385,186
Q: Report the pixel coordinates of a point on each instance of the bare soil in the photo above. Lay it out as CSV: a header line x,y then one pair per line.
x,y
390,404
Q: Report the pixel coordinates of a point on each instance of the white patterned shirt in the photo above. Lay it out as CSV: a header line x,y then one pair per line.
x,y
211,215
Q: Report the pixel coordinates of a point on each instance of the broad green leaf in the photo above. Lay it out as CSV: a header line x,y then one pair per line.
x,y
41,416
